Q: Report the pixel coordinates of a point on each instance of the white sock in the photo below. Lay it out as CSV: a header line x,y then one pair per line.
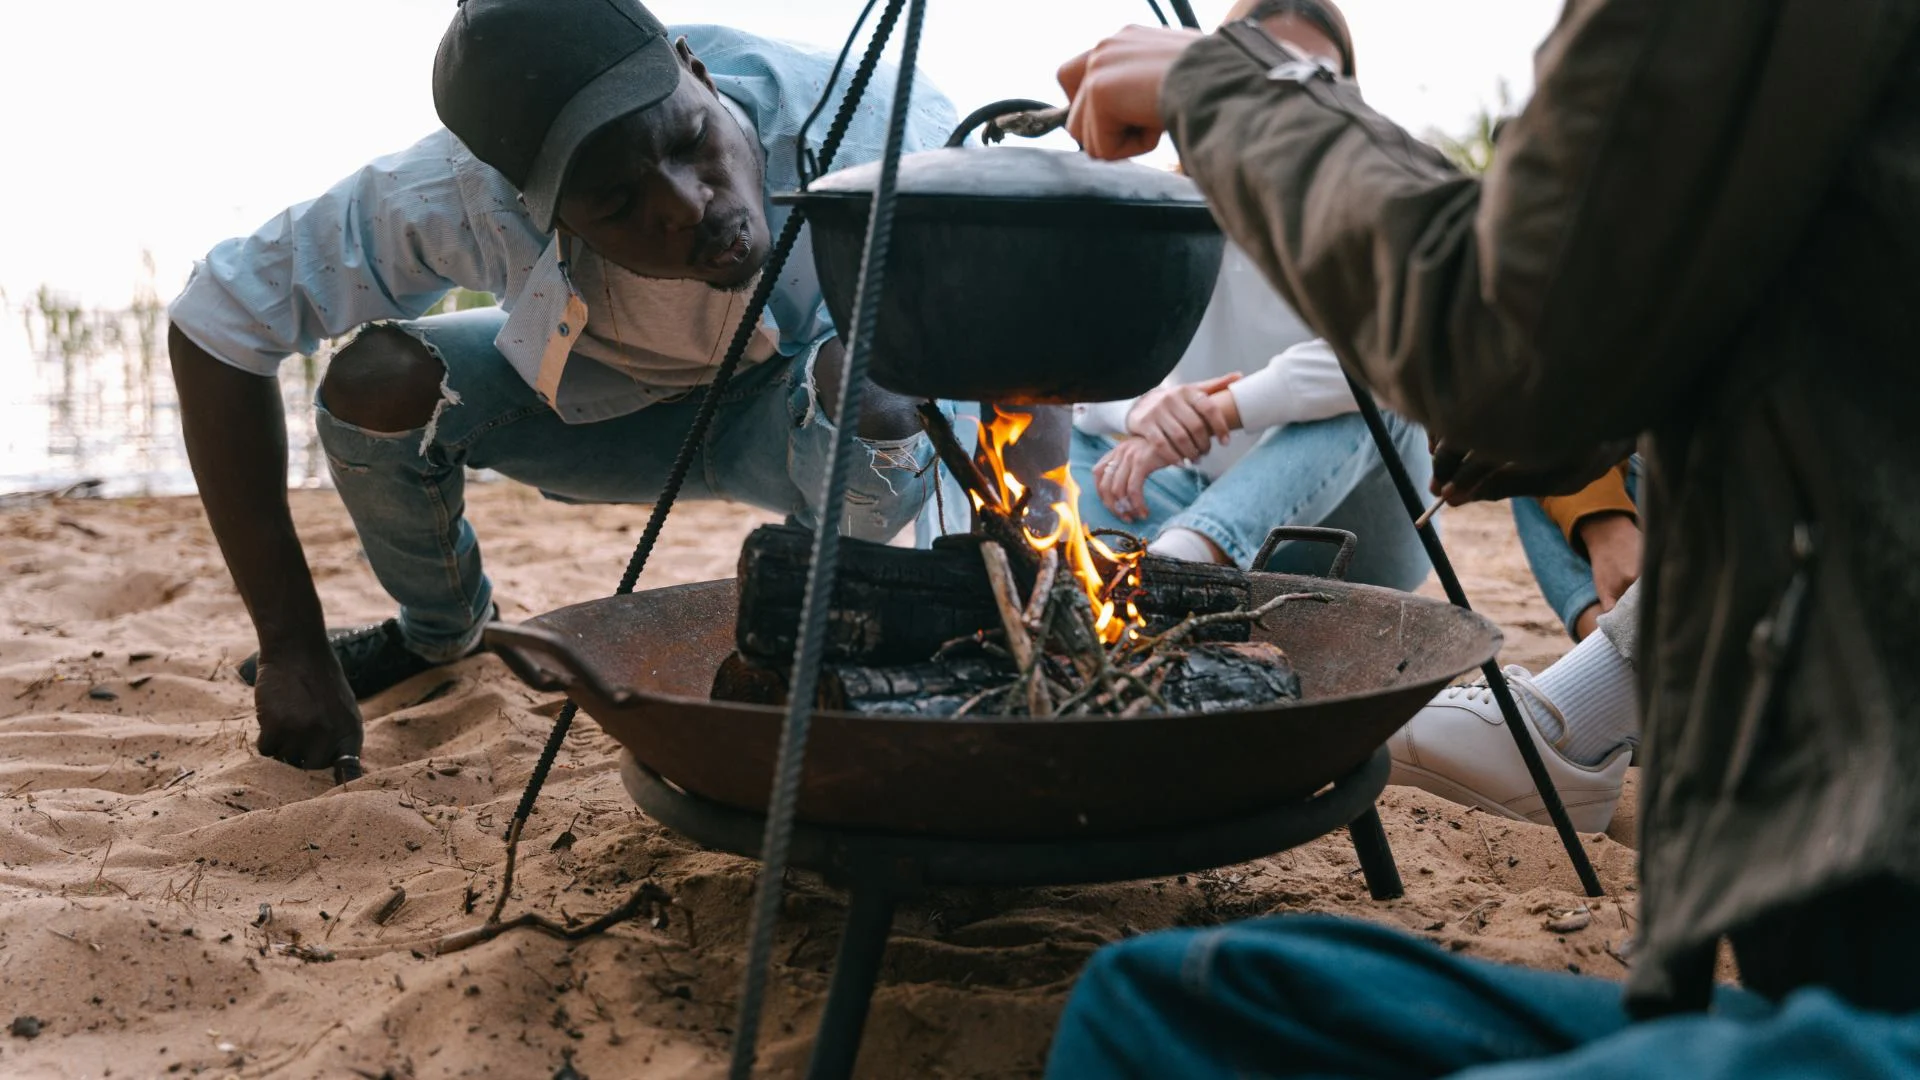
x,y
1592,686
1177,543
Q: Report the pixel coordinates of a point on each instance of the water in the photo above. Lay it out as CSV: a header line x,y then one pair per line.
x,y
90,396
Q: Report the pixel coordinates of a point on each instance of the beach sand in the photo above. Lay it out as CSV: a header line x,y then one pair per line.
x,y
159,882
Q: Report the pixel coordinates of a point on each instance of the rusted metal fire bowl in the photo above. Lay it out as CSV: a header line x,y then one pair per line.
x,y
641,665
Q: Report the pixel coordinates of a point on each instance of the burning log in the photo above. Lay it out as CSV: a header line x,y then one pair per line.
x,y
899,606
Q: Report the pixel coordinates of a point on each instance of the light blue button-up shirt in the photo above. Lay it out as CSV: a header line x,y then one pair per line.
x,y
393,238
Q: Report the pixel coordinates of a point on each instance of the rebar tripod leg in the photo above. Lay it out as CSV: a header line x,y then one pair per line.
x,y
1496,680
1376,857
855,970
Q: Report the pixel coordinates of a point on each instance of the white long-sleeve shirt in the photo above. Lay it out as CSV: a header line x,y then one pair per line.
x,y
1291,377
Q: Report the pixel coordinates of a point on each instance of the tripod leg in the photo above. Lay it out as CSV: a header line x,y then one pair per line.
x,y
855,970
1376,857
1496,680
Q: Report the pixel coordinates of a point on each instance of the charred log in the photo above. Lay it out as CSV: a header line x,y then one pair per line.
x,y
932,688
890,605
1217,677
1208,678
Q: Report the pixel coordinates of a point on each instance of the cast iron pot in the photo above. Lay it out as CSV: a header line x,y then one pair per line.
x,y
1021,274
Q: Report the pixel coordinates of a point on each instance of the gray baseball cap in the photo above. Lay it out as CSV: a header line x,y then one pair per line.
x,y
526,83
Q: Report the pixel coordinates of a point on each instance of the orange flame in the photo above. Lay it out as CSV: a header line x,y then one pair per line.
x,y
1082,553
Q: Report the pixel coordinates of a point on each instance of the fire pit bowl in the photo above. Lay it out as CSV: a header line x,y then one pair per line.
x,y
641,666
1002,255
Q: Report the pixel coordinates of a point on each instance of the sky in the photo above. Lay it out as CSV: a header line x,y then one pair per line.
x,y
166,127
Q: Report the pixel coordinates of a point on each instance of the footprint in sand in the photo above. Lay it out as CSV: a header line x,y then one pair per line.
x,y
76,596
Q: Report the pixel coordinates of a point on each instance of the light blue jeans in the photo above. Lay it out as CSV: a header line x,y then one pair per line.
x,y
1315,996
768,447
1326,473
1564,576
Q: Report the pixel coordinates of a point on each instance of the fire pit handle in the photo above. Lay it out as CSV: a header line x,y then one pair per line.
x,y
520,645
1312,534
1027,118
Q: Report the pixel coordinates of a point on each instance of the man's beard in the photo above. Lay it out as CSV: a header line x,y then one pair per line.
x,y
735,288
738,286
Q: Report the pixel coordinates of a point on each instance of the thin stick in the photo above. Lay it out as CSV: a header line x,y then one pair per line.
x,y
1043,593
954,456
649,899
506,877
976,700
1006,597
644,900
1039,698
1429,514
1192,623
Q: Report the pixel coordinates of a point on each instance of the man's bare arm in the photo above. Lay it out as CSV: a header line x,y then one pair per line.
x,y
236,438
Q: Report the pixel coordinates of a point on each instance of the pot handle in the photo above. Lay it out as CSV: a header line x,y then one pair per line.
x,y
1312,535
522,646
987,113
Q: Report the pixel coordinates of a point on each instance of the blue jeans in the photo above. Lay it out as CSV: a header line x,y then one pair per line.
x,y
1316,996
1564,576
1327,473
768,447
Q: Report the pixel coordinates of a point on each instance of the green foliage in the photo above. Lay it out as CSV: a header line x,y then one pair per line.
x,y
462,300
1472,151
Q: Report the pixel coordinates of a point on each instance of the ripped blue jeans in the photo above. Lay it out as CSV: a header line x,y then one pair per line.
x,y
768,447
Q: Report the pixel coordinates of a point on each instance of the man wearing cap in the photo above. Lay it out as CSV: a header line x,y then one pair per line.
x,y
608,180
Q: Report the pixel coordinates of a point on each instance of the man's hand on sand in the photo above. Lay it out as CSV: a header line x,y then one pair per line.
x,y
308,717
1114,88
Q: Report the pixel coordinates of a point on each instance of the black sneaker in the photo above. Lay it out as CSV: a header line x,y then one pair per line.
x,y
373,657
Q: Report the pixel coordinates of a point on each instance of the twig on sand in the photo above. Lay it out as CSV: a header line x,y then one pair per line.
x,y
506,876
649,899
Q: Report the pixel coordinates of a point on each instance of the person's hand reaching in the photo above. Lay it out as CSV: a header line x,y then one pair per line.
x,y
1183,421
1461,476
1114,89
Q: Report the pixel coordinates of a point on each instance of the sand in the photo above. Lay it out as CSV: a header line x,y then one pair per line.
x,y
160,884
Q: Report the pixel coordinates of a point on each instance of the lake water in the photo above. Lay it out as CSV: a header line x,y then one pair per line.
x,y
89,396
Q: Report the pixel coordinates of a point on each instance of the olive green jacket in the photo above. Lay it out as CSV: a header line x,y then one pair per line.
x,y
1704,229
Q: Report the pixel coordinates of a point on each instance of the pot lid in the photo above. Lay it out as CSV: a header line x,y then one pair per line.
x,y
1017,172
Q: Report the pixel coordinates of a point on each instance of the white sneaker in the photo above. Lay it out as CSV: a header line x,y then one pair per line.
x,y
1459,748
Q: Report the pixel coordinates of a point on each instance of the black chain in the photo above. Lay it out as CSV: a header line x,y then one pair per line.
x,y
710,397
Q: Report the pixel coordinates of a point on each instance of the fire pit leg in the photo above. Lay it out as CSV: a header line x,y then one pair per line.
x,y
869,920
1376,858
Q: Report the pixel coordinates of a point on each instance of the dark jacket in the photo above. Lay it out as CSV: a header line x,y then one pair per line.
x,y
1704,228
